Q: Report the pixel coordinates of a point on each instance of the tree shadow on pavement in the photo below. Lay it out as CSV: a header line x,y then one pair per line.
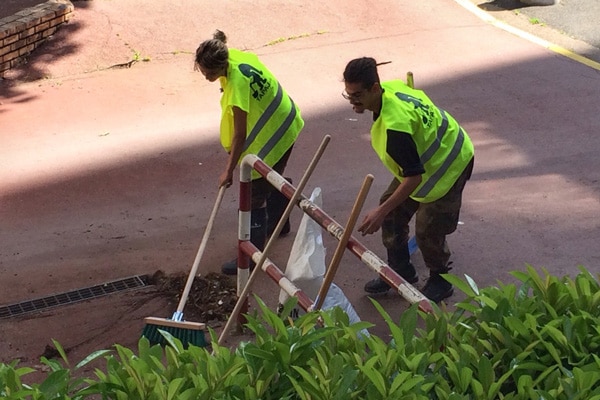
x,y
498,5
57,46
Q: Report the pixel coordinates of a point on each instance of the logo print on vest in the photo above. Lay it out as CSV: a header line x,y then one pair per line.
x,y
422,109
258,84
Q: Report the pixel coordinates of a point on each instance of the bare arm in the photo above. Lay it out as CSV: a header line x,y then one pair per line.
x,y
374,218
237,146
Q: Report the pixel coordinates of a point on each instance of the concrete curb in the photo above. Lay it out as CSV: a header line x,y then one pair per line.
x,y
525,35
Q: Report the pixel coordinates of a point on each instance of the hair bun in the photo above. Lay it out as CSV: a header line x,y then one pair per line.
x,y
220,35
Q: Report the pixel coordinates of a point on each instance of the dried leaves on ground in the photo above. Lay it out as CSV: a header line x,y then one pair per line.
x,y
211,298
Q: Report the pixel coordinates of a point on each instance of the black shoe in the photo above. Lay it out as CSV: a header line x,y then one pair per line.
x,y
230,267
378,285
437,288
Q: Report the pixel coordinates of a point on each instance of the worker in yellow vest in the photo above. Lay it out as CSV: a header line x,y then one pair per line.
x,y
430,157
257,117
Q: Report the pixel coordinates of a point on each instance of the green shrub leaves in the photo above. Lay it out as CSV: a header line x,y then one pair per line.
x,y
536,339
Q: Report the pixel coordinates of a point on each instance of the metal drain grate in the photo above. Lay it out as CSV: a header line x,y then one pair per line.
x,y
73,296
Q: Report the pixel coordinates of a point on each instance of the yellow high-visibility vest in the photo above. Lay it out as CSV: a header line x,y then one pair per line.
x,y
444,147
273,122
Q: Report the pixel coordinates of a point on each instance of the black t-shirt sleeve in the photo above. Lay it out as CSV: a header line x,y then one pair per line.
x,y
403,150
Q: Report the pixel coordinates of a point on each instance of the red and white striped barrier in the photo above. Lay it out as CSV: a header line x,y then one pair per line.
x,y
247,249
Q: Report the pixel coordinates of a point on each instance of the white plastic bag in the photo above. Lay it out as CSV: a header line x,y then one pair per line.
x,y
336,297
306,265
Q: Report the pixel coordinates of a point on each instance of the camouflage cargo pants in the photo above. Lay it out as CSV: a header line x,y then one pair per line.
x,y
434,221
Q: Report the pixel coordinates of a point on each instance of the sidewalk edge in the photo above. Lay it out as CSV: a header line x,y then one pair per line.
x,y
527,36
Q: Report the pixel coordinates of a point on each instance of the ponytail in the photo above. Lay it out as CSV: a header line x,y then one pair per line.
x,y
212,53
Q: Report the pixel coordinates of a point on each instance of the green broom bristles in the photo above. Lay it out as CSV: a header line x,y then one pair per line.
x,y
189,333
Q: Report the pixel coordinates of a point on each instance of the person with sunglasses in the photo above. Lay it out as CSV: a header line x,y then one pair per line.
x,y
257,117
431,158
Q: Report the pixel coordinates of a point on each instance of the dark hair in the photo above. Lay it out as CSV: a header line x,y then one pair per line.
x,y
362,70
212,53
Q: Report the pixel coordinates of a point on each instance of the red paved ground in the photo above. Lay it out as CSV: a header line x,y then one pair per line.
x,y
108,173
10,7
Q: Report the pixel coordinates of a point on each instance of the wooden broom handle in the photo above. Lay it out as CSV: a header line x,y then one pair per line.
x,y
194,270
341,247
410,80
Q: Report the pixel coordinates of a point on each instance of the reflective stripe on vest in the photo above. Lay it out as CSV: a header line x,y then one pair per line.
x,y
444,148
437,175
279,133
426,156
262,121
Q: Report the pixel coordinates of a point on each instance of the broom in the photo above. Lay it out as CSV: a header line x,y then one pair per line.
x,y
187,332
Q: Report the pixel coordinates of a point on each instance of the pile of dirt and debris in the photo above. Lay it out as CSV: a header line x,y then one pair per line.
x,y
87,326
211,298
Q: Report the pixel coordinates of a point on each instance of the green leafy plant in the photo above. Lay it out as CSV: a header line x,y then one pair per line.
x,y
535,21
294,37
538,338
61,382
137,56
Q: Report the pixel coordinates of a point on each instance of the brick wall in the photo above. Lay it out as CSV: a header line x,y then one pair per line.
x,y
24,31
